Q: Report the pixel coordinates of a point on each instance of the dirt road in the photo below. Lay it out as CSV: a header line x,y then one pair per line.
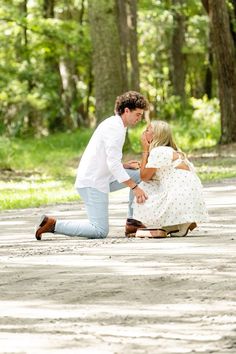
x,y
119,295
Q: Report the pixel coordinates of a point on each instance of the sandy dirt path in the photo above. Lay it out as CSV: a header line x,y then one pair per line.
x,y
119,295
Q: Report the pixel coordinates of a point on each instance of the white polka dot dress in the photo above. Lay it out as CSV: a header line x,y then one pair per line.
x,y
174,195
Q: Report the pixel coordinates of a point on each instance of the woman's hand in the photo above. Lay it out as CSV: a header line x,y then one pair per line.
x,y
140,195
144,142
132,164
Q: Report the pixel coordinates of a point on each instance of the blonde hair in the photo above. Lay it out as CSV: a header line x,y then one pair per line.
x,y
162,135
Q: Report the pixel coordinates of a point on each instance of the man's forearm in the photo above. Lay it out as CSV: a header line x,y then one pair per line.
x,y
130,183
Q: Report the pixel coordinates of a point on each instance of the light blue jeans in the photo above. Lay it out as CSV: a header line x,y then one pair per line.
x,y
96,203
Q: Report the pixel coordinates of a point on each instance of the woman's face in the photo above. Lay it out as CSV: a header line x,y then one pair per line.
x,y
149,133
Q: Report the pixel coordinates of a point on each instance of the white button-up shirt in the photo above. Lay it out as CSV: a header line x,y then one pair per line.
x,y
101,161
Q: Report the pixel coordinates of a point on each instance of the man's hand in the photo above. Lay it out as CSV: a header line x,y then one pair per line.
x,y
132,164
140,195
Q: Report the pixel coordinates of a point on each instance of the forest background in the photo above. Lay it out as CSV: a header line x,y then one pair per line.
x,y
63,62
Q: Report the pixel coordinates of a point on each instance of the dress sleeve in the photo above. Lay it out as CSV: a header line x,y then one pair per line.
x,y
160,156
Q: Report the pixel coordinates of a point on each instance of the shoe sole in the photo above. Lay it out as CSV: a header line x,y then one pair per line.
x,y
130,235
151,233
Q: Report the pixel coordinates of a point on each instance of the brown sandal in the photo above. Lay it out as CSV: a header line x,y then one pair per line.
x,y
151,233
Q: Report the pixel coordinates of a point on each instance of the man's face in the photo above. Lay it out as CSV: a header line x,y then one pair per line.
x,y
132,117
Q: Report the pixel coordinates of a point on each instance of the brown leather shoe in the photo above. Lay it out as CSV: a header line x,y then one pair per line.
x,y
132,226
46,224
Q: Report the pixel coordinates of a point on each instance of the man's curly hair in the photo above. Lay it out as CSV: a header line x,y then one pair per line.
x,y
131,100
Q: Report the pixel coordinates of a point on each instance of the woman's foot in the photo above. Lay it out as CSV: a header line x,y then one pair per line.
x,y
184,229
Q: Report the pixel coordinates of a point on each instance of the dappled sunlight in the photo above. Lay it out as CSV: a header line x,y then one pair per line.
x,y
46,309
118,294
96,328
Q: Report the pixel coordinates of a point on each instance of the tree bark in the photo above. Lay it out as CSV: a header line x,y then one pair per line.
x,y
133,45
107,61
30,115
52,65
124,40
178,57
48,8
232,20
224,50
209,74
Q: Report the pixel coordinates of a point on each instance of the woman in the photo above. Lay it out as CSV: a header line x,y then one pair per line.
x,y
175,202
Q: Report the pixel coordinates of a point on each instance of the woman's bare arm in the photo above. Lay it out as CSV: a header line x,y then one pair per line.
x,y
145,173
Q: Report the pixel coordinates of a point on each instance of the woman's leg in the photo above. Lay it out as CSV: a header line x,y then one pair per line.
x,y
96,226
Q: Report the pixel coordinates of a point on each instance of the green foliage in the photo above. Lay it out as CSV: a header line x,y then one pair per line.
x,y
200,126
155,33
195,125
14,195
46,79
43,62
36,172
46,156
220,170
5,153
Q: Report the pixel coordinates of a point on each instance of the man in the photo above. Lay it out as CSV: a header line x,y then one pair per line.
x,y
100,171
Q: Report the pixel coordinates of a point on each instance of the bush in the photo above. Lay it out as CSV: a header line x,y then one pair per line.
x,y
201,128
195,125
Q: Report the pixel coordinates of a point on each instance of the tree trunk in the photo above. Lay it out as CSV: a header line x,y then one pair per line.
x,y
209,74
178,57
233,20
69,90
89,93
52,65
133,45
129,49
224,50
103,16
31,125
81,13
73,107
124,40
208,84
48,8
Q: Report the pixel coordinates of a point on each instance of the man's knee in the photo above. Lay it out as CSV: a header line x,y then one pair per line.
x,y
102,232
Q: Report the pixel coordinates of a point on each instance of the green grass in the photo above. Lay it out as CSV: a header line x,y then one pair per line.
x,y
50,156
25,194
215,168
36,172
